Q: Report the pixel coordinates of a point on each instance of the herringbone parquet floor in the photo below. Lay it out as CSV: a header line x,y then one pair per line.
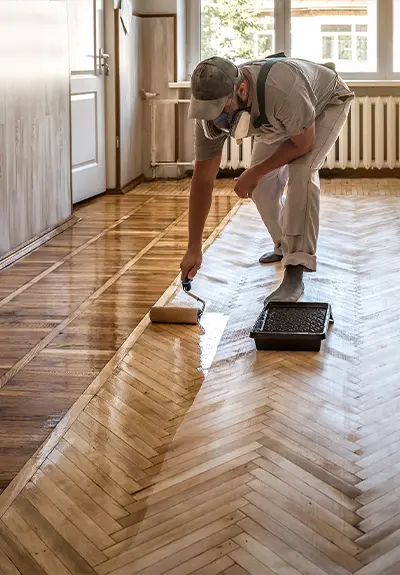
x,y
199,455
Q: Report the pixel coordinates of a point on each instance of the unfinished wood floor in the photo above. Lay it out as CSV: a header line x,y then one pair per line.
x,y
198,455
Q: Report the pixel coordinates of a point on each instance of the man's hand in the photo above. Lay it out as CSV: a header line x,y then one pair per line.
x,y
191,263
296,147
246,183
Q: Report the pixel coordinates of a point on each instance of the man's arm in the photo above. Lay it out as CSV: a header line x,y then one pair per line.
x,y
290,150
202,185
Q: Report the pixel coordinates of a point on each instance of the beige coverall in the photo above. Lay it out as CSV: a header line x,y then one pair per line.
x,y
297,93
294,223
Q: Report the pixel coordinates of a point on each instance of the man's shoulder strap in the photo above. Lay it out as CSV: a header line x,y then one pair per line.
x,y
267,64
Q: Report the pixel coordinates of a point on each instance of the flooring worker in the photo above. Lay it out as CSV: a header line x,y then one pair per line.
x,y
295,110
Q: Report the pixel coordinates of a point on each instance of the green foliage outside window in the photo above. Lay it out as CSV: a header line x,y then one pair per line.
x,y
228,29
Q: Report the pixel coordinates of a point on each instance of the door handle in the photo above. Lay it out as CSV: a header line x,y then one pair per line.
x,y
104,68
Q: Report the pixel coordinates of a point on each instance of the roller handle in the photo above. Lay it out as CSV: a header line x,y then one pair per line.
x,y
187,284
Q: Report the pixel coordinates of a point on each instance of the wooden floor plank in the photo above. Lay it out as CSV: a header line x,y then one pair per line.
x,y
72,535
235,570
33,544
16,552
196,505
104,464
147,554
6,565
50,536
72,510
270,543
214,545
317,550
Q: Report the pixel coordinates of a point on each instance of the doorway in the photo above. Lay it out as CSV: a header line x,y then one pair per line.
x,y
89,66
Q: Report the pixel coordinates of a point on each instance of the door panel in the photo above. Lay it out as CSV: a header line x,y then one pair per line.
x,y
86,24
84,120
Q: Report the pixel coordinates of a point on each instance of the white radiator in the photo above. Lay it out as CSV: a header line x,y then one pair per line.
x,y
370,139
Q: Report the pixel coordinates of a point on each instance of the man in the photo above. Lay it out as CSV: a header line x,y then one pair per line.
x,y
295,114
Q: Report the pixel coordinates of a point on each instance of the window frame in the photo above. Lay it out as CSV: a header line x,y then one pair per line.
x,y
264,34
335,37
385,47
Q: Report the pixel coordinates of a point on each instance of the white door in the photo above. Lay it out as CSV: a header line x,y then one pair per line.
x,y
88,68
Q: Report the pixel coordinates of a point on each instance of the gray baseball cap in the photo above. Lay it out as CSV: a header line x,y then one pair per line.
x,y
212,81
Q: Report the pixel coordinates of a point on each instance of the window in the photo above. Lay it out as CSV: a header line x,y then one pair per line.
x,y
346,35
351,33
345,48
328,45
362,49
345,44
264,44
240,30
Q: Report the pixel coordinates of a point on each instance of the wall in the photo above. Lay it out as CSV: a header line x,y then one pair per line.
x,y
110,97
155,6
158,69
146,61
181,40
35,192
163,60
130,103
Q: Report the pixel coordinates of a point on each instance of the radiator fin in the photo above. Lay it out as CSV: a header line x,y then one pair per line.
x,y
369,139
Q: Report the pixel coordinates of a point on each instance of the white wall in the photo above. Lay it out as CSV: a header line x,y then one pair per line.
x,y
110,101
181,40
135,145
130,104
151,6
155,6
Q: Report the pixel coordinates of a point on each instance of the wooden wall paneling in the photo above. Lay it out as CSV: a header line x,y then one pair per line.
x,y
35,190
130,102
158,68
186,129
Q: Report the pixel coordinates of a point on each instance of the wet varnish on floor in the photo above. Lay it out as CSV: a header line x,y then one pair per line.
x,y
198,455
67,308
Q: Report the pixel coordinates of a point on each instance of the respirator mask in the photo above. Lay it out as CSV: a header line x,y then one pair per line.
x,y
235,123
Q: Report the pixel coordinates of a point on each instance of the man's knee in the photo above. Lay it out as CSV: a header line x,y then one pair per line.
x,y
269,187
301,172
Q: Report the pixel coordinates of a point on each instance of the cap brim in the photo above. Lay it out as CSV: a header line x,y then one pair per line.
x,y
206,109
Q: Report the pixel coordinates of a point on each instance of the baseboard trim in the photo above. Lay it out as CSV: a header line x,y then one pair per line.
x,y
132,184
31,245
360,173
128,187
327,174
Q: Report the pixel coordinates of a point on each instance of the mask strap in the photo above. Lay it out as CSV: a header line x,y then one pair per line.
x,y
236,83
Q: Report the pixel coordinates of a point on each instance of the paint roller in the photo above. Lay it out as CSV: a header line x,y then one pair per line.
x,y
186,315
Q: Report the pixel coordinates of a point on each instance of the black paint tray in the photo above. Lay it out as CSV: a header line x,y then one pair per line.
x,y
299,326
